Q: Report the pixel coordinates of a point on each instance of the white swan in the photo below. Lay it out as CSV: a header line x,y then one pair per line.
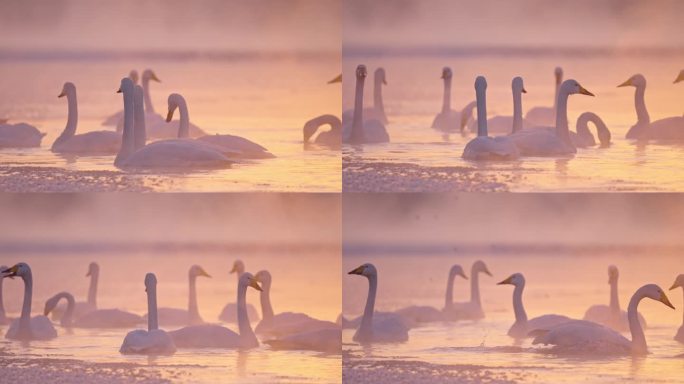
x,y
356,129
522,326
331,138
586,337
449,120
583,137
27,327
83,307
389,329
172,154
470,310
509,124
323,340
377,112
94,142
544,116
230,311
3,315
550,141
484,147
679,282
284,323
99,318
416,314
233,146
154,341
116,118
190,316
670,128
611,315
216,336
20,135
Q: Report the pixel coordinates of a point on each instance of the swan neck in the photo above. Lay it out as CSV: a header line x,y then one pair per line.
x,y
640,105
562,129
184,126
377,96
357,122
265,299
193,310
152,319
68,317
449,298
517,110
140,131
367,319
24,330
446,103
638,337
614,300
244,327
92,289
481,94
127,144
146,95
72,117
475,288
518,309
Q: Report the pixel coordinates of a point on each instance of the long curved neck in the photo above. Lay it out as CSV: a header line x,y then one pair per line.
x,y
140,132
25,319
72,117
517,110
559,80
3,314
184,126
127,144
148,100
481,94
446,102
357,122
68,317
152,319
265,298
193,310
562,129
92,289
614,301
367,319
638,338
449,297
518,309
640,105
332,120
475,288
377,96
243,321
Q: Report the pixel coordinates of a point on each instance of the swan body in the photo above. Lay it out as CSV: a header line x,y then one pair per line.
x,y
671,128
98,318
449,120
471,310
96,142
171,154
117,117
327,340
229,314
610,315
26,327
82,307
216,336
546,116
581,336
20,135
284,323
388,330
484,147
679,282
522,327
551,141
190,316
331,138
357,130
509,124
153,341
234,146
377,112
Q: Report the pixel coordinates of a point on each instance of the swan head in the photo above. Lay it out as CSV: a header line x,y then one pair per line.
x,y
446,73
238,267
652,291
174,101
572,87
196,270
361,72
126,86
133,75
264,277
337,79
380,75
20,269
457,270
558,72
93,269
516,279
51,303
149,74
679,282
480,83
150,282
367,270
613,274
248,280
68,89
517,84
637,80
680,77
480,266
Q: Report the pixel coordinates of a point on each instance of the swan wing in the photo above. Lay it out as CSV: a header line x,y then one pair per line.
x,y
108,318
97,142
155,342
490,148
671,128
449,121
20,135
323,340
390,329
420,314
41,329
584,336
172,154
229,313
205,336
243,147
541,141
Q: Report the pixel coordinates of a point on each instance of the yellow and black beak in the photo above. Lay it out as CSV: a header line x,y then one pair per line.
x,y
626,83
119,91
253,283
357,271
155,78
10,272
61,94
507,281
675,285
524,90
663,299
169,116
584,91
337,79
202,272
680,77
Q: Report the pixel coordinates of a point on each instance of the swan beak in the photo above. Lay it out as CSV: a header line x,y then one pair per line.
x,y
155,78
234,270
119,91
253,283
10,272
463,275
675,285
338,79
524,90
169,116
507,281
384,81
679,78
626,83
665,300
61,94
202,272
487,272
357,271
584,91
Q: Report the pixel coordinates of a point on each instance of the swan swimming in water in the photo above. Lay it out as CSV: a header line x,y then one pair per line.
x,y
610,315
357,129
114,119
216,336
583,137
522,326
416,314
449,120
551,141
20,135
190,316
94,142
377,112
27,327
471,310
670,128
173,154
545,116
484,147
586,337
679,282
387,330
83,307
331,138
154,341
98,318
230,145
508,124
229,312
